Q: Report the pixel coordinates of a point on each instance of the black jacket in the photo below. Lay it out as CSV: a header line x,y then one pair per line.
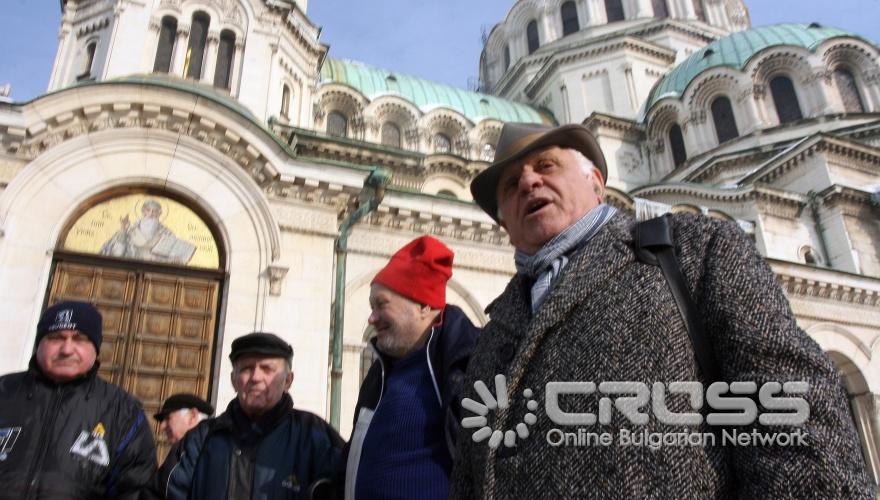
x,y
83,439
288,453
449,349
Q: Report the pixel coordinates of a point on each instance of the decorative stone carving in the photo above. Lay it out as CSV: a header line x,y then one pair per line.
x,y
276,275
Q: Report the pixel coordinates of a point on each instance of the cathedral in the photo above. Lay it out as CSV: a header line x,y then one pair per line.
x,y
201,169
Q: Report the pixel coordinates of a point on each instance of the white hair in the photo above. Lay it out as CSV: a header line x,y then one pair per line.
x,y
202,416
587,167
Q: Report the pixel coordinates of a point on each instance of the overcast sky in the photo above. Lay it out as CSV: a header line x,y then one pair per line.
x,y
434,39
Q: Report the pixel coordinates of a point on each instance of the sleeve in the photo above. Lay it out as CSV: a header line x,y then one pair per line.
x,y
326,457
135,461
756,338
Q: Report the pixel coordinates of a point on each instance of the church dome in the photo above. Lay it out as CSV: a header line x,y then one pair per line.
x,y
736,50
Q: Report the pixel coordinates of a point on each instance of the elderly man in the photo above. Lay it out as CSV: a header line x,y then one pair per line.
x,y
180,413
406,418
64,432
260,447
582,309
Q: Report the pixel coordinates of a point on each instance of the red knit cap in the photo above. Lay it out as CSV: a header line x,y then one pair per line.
x,y
419,271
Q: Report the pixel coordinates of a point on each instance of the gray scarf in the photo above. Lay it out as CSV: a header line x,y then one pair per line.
x,y
547,264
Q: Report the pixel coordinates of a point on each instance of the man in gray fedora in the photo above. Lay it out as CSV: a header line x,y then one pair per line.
x,y
582,309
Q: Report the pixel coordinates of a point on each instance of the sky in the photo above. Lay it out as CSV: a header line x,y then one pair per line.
x,y
435,39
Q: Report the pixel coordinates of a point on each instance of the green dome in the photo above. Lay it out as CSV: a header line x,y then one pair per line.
x,y
736,50
427,95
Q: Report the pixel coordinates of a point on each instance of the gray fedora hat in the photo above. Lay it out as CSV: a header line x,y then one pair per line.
x,y
518,140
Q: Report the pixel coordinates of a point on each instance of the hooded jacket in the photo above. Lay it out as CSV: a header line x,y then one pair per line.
x,y
82,439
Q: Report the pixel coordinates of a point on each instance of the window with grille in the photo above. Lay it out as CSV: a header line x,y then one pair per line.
x,y
165,49
532,36
337,124
195,52
285,101
442,144
785,99
569,18
725,124
676,144
614,10
390,134
224,59
660,9
849,91
506,57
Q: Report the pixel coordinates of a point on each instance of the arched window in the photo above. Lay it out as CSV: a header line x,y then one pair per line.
x,y
614,10
337,124
441,143
569,18
195,52
676,144
506,57
787,107
849,91
725,124
390,134
532,36
224,59
285,101
698,10
660,9
167,36
88,61
488,153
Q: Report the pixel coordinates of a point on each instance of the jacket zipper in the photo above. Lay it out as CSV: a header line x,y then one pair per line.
x,y
44,446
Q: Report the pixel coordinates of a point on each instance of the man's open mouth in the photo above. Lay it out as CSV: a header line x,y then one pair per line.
x,y
535,205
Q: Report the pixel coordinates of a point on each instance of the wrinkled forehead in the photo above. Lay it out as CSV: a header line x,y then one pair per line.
x,y
550,152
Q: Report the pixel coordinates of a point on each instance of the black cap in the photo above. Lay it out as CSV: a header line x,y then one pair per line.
x,y
267,344
181,401
72,315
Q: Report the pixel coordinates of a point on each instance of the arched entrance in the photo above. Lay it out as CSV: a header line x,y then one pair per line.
x,y
153,267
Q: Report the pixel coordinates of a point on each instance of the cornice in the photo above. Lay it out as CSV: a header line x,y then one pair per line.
x,y
805,287
591,48
768,200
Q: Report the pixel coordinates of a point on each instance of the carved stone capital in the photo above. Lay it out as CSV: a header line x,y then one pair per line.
x,y
276,275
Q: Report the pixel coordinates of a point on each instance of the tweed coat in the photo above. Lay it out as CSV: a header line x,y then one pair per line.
x,y
612,318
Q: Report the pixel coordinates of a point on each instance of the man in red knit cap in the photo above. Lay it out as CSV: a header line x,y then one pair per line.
x,y
403,447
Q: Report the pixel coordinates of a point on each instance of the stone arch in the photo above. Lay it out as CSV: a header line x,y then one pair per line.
x,y
790,62
851,357
860,59
400,112
81,168
450,123
342,99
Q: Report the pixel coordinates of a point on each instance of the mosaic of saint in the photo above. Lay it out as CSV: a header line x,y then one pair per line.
x,y
144,227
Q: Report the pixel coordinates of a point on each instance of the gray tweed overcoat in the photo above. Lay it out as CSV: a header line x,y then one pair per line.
x,y
612,318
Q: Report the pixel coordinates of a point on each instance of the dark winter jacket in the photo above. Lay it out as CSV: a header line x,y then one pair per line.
x,y
83,439
448,349
612,318
287,453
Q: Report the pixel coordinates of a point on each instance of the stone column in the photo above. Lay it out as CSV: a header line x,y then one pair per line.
x,y
209,64
180,45
235,70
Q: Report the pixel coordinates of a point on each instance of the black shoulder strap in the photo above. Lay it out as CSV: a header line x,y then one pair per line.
x,y
654,245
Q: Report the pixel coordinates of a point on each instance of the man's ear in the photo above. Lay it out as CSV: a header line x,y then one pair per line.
x,y
599,188
288,381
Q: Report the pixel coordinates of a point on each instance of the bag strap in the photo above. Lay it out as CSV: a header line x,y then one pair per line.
x,y
654,245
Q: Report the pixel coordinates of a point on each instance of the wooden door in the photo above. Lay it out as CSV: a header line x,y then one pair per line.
x,y
159,328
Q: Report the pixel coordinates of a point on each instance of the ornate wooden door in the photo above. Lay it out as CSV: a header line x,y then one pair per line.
x,y
158,328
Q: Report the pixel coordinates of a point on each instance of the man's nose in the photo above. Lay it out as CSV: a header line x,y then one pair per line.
x,y
66,346
374,317
529,179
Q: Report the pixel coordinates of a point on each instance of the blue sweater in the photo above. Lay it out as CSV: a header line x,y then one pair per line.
x,y
404,453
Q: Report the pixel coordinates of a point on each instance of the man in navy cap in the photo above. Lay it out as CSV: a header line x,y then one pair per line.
x,y
260,447
64,432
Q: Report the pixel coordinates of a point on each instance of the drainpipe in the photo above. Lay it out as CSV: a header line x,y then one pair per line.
x,y
368,199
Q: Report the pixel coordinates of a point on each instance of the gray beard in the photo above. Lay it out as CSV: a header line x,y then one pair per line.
x,y
148,227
